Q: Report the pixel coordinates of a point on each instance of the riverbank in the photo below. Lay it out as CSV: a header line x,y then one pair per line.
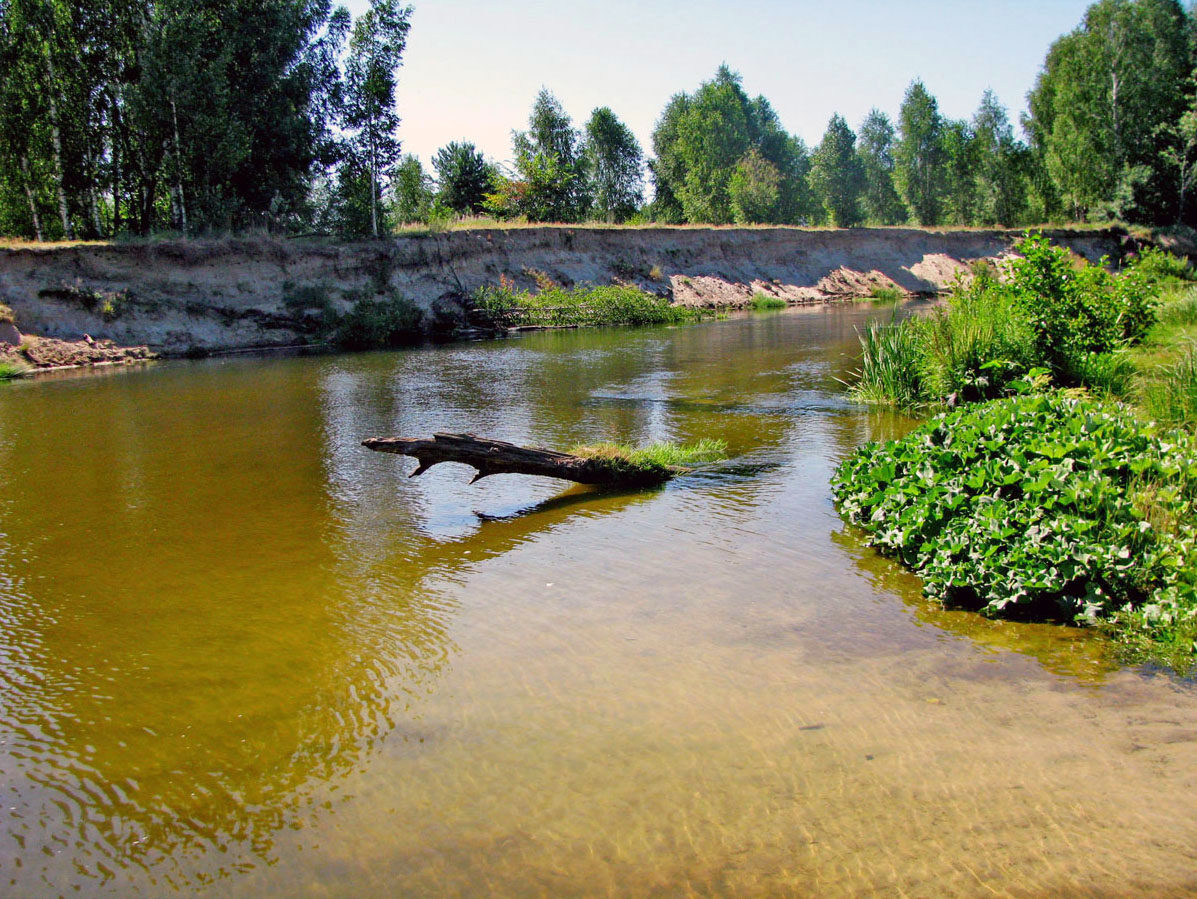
x,y
202,296
1065,485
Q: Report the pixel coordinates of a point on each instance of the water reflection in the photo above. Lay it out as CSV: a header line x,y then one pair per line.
x,y
216,606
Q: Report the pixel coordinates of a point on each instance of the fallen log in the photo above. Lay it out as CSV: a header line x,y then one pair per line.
x,y
490,457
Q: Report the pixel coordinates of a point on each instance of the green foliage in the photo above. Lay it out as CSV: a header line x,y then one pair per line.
x,y
6,316
880,202
378,323
1045,311
551,165
1103,102
1076,309
1169,394
556,306
411,191
918,155
889,365
10,370
762,301
657,461
837,176
754,189
463,178
615,164
375,52
1037,506
702,137
1157,267
885,294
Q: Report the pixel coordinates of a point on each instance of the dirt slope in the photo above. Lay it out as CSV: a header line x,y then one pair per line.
x,y
232,293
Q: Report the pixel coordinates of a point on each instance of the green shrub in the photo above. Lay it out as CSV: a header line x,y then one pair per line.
x,y
1157,266
6,316
762,301
885,294
379,323
1038,506
978,346
1075,309
506,306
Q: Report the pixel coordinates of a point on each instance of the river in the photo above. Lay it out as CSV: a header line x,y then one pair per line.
x,y
242,655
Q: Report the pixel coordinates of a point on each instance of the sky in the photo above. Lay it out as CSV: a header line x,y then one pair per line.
x,y
472,68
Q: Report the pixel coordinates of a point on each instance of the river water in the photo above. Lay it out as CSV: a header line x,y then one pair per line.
x,y
241,655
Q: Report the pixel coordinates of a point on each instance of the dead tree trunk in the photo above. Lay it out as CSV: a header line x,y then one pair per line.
x,y
489,457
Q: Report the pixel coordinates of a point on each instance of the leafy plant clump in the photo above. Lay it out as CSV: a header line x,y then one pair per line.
x,y
657,461
885,294
1042,310
555,307
762,301
12,370
1041,506
378,323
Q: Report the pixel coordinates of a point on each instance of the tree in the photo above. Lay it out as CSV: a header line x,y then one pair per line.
x,y
615,163
880,202
700,140
754,189
375,53
959,199
1000,162
1098,106
919,154
412,190
837,176
549,159
463,177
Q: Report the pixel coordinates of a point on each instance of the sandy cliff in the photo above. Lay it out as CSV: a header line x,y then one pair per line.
x,y
230,293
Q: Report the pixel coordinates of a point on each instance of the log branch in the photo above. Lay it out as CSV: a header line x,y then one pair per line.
x,y
489,457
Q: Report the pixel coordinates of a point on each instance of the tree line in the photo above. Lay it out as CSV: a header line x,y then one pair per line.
x,y
143,116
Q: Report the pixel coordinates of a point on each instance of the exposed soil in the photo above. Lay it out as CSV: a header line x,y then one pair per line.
x,y
182,297
48,352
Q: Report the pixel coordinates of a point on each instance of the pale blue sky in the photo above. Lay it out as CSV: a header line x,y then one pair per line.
x,y
473,67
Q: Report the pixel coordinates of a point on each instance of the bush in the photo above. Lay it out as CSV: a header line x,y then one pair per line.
x,y
1042,311
1157,266
555,306
6,316
1075,308
976,348
762,301
378,324
1038,506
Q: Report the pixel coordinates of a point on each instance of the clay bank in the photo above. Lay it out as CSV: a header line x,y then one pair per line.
x,y
199,296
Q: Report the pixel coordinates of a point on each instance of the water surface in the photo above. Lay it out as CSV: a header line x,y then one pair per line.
x,y
240,654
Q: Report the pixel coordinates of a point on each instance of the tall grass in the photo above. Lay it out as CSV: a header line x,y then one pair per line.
x,y
889,365
657,461
1169,395
12,370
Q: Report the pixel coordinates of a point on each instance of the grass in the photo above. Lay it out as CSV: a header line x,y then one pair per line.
x,y
563,307
889,372
762,301
657,461
12,370
885,294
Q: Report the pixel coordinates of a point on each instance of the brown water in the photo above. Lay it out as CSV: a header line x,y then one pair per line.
x,y
240,654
